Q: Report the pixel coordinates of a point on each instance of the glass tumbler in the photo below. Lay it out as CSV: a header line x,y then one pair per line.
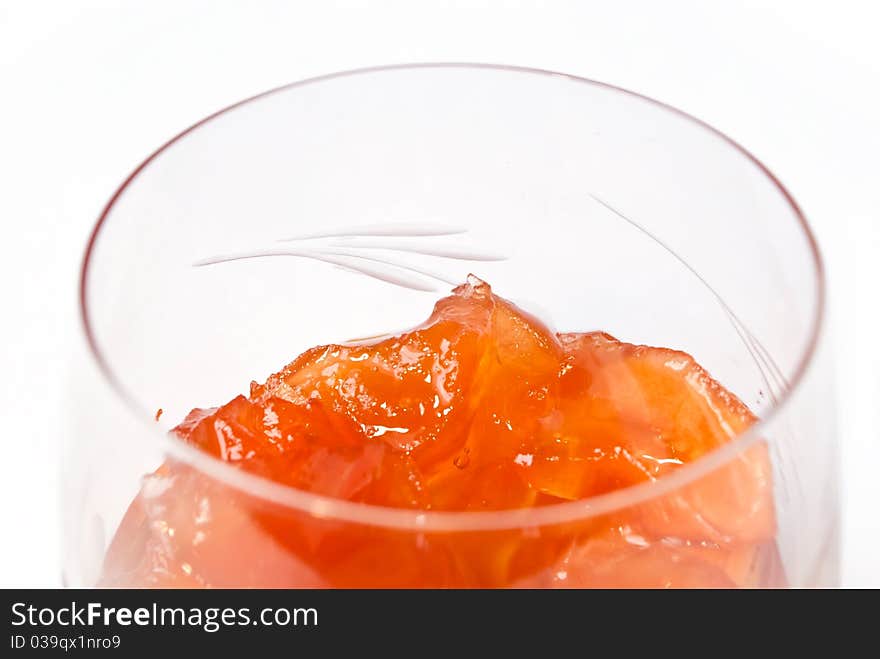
x,y
344,206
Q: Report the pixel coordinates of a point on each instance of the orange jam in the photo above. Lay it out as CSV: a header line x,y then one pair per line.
x,y
481,408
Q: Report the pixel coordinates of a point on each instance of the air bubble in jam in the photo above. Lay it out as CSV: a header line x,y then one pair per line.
x,y
481,408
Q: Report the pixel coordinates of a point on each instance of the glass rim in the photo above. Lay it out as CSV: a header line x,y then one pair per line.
x,y
331,508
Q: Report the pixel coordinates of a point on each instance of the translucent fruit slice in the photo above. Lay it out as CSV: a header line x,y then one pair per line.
x,y
295,444
630,414
412,392
185,530
522,377
516,386
614,559
620,558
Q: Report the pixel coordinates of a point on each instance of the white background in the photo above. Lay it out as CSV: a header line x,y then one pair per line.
x,y
87,89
